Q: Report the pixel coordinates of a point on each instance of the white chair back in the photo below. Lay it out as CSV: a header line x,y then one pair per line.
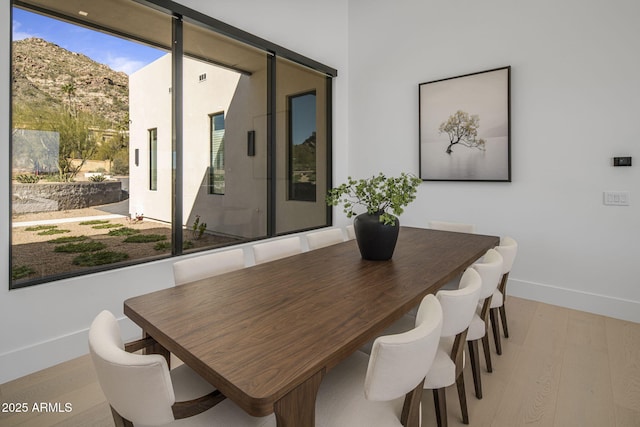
x,y
398,363
200,267
508,248
490,269
137,386
323,238
276,249
452,226
459,306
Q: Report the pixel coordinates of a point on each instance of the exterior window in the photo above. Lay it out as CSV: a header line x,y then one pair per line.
x,y
216,174
302,147
143,146
153,159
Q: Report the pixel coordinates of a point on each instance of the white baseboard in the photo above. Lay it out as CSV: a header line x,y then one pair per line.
x,y
617,308
27,360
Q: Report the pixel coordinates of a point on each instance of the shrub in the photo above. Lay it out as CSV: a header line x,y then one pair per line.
x,y
123,231
198,228
68,239
97,178
95,222
105,226
74,248
92,259
27,179
162,246
41,227
52,231
21,271
165,246
145,238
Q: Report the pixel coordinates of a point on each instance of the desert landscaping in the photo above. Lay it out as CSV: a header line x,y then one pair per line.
x,y
51,243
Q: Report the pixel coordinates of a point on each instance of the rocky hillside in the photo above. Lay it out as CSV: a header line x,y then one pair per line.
x,y
46,74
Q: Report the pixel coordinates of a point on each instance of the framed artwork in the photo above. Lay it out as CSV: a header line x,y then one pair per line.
x,y
465,127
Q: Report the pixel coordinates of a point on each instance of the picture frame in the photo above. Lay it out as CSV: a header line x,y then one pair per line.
x,y
465,127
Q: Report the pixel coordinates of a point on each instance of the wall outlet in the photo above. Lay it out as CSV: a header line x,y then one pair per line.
x,y
616,198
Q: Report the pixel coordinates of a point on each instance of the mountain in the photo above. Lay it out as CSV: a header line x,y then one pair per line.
x,y
44,72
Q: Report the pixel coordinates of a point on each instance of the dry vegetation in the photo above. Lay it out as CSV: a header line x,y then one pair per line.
x,y
37,252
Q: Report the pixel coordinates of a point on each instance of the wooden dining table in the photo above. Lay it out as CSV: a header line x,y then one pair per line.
x,y
266,335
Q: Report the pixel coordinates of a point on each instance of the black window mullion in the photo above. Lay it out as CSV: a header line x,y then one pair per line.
x,y
176,132
329,131
271,145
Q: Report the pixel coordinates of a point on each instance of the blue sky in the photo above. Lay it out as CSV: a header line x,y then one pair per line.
x,y
117,53
304,117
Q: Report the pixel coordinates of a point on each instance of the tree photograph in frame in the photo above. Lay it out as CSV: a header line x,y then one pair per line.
x,y
465,127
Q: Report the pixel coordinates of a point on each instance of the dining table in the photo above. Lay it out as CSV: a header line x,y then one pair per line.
x,y
266,335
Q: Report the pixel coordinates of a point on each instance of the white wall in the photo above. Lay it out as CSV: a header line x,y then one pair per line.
x,y
46,324
575,100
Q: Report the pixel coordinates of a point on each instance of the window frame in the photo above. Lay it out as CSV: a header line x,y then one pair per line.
x,y
181,13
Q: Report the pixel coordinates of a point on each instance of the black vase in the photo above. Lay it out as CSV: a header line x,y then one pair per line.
x,y
376,240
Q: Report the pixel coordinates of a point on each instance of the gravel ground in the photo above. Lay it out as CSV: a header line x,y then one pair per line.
x,y
35,251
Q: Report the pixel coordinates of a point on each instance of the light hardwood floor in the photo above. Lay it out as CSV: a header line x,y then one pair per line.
x,y
560,368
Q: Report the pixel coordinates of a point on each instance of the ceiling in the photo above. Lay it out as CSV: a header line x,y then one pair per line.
x,y
134,21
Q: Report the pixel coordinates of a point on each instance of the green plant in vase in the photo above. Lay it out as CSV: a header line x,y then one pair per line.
x,y
383,198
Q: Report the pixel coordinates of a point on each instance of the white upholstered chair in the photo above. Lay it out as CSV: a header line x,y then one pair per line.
x,y
322,238
200,267
458,309
142,391
458,227
490,269
508,248
276,249
369,391
452,226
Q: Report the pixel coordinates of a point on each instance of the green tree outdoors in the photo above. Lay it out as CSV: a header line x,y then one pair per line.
x,y
115,149
81,134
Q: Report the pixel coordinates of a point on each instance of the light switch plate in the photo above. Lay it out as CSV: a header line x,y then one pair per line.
x,y
616,198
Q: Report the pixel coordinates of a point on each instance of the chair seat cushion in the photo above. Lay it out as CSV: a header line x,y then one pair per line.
x,y
497,299
476,328
341,400
443,371
188,385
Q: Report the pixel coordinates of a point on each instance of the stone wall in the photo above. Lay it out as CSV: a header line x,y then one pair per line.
x,y
45,197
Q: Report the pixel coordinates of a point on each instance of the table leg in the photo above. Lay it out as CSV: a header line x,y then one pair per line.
x,y
298,407
157,348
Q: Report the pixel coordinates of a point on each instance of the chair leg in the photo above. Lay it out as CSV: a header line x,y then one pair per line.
x,y
475,367
462,396
440,402
503,317
118,420
496,329
487,352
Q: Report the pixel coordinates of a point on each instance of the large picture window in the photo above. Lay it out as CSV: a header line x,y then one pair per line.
x,y
118,125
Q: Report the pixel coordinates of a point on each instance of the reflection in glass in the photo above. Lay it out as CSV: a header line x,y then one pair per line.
x,y
302,147
216,176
